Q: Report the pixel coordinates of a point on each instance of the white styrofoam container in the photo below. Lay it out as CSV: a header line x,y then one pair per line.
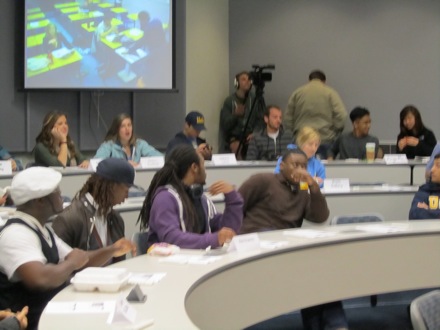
x,y
101,279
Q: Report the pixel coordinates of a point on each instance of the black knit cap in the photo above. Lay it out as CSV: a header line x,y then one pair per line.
x,y
116,169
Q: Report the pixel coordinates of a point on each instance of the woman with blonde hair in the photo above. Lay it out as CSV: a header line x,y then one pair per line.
x,y
54,146
308,140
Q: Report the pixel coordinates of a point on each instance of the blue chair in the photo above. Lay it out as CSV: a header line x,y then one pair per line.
x,y
425,311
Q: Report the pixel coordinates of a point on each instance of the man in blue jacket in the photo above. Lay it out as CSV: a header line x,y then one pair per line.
x,y
425,204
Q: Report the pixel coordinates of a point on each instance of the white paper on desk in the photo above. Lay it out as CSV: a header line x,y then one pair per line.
x,y
123,313
84,307
386,187
152,162
336,185
145,278
34,24
383,229
190,259
5,167
136,32
62,52
111,37
273,244
244,243
93,164
309,233
141,53
395,159
224,159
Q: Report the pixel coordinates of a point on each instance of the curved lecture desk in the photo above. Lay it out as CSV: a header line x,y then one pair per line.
x,y
244,288
359,171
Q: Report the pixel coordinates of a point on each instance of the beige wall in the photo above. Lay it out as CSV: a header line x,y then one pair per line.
x,y
207,61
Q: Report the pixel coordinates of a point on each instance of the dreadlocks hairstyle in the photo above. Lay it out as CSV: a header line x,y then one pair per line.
x,y
177,164
46,137
101,190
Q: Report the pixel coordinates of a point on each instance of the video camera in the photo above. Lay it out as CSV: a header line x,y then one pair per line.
x,y
259,77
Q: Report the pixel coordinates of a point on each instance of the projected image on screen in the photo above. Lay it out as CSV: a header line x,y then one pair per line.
x,y
98,44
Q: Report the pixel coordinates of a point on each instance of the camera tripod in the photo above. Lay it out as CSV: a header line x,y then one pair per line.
x,y
258,107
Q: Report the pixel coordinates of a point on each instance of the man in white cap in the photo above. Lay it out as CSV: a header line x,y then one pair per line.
x,y
36,263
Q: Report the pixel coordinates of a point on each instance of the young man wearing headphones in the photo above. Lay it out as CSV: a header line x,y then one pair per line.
x,y
282,201
176,211
234,115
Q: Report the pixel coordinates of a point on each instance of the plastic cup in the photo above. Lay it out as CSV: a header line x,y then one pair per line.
x,y
370,151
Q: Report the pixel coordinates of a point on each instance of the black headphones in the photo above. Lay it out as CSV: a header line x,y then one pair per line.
x,y
237,81
195,191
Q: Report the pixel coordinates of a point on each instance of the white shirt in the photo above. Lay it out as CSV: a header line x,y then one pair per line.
x,y
99,221
20,245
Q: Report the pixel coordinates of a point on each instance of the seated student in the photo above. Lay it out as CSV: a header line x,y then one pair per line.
x,y
280,201
352,145
53,39
425,204
414,138
176,211
271,142
104,28
14,321
430,163
194,124
90,222
4,155
120,142
36,264
308,141
54,146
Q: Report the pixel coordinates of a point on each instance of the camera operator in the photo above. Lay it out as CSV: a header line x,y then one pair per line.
x,y
271,142
234,115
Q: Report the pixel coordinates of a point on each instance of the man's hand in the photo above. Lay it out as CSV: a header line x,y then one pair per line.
x,y
225,235
219,187
205,150
422,205
123,246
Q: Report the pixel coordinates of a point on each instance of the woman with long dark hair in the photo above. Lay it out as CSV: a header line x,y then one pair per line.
x,y
414,138
176,210
54,146
121,142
